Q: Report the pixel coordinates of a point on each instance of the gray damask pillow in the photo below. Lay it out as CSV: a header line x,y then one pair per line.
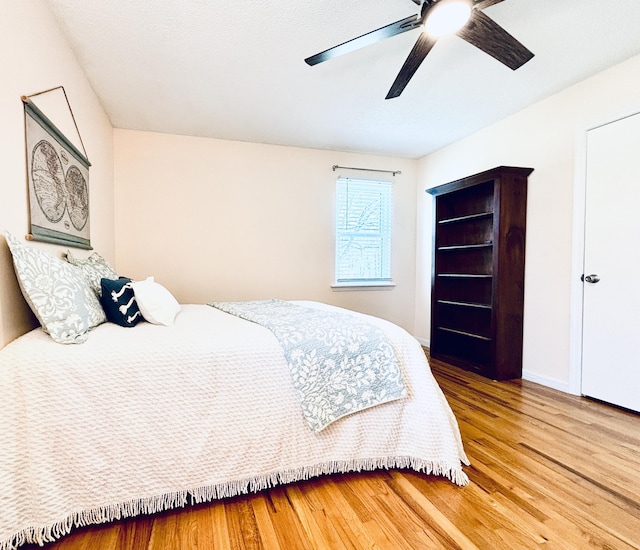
x,y
57,292
94,268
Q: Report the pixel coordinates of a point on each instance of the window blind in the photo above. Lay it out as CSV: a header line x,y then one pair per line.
x,y
363,232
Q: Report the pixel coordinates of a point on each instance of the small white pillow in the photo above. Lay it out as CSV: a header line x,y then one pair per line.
x,y
156,303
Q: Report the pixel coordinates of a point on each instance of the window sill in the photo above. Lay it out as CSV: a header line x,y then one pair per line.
x,y
363,285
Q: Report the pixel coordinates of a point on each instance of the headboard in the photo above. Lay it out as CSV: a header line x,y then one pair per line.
x,y
16,317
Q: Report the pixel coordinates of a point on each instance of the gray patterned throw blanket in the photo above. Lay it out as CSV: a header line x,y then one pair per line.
x,y
339,363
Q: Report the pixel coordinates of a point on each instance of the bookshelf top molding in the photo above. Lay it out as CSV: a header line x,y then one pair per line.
x,y
487,175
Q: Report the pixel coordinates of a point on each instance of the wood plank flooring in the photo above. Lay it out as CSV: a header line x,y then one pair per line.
x,y
548,470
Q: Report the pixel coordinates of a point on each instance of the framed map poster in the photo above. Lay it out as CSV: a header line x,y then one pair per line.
x,y
58,179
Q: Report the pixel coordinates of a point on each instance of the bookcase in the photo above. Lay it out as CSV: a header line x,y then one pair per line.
x,y
477,283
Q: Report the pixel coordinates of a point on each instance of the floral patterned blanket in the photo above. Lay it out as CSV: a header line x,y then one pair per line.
x,y
340,364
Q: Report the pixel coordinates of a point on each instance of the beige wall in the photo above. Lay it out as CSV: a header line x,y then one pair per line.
x,y
225,220
36,57
546,137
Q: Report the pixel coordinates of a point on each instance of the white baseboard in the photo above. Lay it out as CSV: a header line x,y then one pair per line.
x,y
552,383
548,382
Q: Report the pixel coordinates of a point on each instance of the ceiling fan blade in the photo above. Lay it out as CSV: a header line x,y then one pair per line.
x,y
404,25
482,4
484,33
420,50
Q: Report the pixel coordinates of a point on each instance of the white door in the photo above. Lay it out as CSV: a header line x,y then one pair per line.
x,y
611,313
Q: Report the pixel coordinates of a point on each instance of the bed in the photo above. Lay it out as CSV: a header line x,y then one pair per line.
x,y
137,421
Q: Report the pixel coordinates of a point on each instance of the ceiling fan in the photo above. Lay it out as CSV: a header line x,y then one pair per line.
x,y
462,17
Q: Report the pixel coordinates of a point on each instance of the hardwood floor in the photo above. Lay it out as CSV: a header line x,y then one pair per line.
x,y
548,470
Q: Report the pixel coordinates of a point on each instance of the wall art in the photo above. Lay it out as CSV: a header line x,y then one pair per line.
x,y
58,179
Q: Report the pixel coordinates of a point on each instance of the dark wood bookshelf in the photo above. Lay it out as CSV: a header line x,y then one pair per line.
x,y
477,285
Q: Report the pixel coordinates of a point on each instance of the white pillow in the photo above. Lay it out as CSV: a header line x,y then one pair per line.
x,y
156,303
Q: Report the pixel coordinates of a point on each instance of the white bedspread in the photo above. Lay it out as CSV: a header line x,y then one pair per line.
x,y
141,420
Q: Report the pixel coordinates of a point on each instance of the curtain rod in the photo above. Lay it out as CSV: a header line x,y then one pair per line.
x,y
394,172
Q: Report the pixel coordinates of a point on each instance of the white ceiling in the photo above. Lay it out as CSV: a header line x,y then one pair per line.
x,y
235,69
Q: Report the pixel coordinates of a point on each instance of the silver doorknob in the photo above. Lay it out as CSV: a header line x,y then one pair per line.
x,y
593,278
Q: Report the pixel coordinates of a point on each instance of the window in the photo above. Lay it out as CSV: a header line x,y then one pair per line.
x,y
363,232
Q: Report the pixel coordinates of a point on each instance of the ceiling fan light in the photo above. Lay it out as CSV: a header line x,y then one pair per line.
x,y
447,17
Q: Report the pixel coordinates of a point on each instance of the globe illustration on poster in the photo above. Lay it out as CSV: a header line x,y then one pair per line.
x,y
77,195
48,181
